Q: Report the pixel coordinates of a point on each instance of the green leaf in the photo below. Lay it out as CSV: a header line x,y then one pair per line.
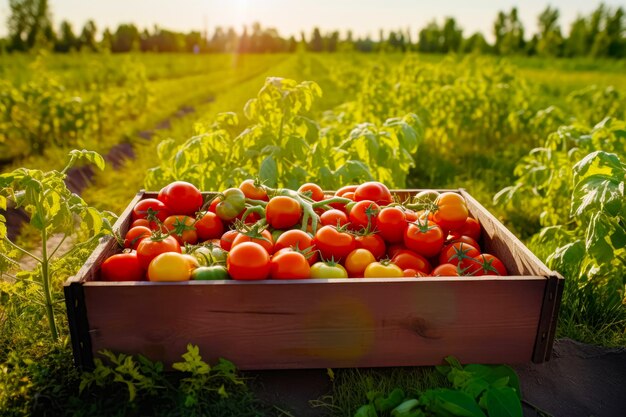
x,y
596,240
366,410
91,156
458,403
503,402
598,192
165,149
268,172
391,401
408,408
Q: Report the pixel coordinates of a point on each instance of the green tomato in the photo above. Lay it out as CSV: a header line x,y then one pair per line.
x,y
208,256
328,270
209,273
425,199
232,204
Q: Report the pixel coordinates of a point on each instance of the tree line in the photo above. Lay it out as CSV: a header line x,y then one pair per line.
x,y
600,34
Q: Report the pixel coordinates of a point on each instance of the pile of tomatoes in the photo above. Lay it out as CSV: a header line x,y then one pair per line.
x,y
255,232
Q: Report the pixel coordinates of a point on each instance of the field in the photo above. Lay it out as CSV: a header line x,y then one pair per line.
x,y
528,137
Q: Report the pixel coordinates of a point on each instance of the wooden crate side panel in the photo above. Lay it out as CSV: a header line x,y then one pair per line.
x,y
269,326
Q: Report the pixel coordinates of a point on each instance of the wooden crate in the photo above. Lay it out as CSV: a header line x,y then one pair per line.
x,y
324,323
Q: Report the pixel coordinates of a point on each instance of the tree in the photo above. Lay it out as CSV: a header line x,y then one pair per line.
x,y
576,43
509,33
87,38
475,44
430,38
614,29
67,39
317,43
550,40
106,44
29,24
126,38
452,36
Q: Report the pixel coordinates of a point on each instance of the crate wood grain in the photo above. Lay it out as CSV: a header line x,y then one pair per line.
x,y
324,323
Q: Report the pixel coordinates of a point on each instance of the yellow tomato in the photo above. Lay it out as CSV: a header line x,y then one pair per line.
x,y
170,266
357,261
328,270
383,270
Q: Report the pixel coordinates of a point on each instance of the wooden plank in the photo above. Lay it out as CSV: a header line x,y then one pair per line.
x,y
498,240
79,328
343,323
548,318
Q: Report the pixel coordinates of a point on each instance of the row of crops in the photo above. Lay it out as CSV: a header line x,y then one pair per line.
x,y
555,164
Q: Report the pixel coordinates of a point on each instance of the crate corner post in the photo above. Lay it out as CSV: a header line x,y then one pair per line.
x,y
78,325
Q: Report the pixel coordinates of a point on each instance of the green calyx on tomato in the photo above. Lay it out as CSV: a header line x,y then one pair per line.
x,y
232,202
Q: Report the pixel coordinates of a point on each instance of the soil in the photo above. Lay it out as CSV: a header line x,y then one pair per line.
x,y
579,381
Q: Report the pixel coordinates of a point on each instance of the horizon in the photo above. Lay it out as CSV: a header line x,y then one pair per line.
x,y
371,16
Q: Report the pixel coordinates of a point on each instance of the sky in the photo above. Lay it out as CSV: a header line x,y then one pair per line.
x,y
364,17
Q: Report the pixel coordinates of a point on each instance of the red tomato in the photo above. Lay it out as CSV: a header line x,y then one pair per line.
x,y
391,224
152,246
140,222
333,217
347,189
226,242
362,214
349,195
410,215
407,259
298,240
135,235
464,239
357,261
289,265
373,243
333,244
446,270
209,226
488,264
182,228
451,211
265,241
317,194
150,207
253,190
412,273
122,267
181,197
424,237
374,191
283,212
213,205
248,261
392,250
460,254
471,228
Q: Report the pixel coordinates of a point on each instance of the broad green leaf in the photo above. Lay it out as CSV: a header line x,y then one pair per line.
x,y
599,192
503,402
458,403
597,238
91,156
366,410
165,149
268,172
